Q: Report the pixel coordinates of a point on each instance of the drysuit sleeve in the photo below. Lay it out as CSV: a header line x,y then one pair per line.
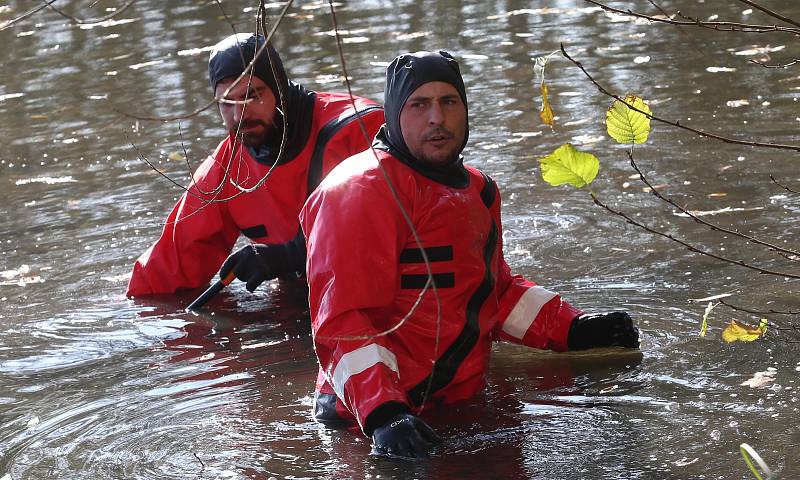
x,y
529,314
197,237
354,234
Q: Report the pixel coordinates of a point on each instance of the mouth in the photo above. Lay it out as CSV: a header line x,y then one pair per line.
x,y
438,138
250,126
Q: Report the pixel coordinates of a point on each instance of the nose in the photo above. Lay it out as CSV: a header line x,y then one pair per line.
x,y
435,114
239,112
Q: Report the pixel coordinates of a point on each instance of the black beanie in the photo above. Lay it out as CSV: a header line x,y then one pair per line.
x,y
231,56
408,72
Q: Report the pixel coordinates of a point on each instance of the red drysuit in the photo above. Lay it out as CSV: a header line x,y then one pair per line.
x,y
198,234
365,272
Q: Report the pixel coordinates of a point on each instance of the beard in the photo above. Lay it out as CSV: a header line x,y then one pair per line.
x,y
254,133
437,157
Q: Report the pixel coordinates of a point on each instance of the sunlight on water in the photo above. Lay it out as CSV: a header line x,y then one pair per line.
x,y
95,386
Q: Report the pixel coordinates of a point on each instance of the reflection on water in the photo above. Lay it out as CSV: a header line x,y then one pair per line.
x,y
95,386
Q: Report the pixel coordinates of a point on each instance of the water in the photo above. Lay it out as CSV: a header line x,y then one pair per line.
x,y
93,385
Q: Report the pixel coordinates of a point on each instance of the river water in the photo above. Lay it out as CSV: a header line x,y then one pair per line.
x,y
93,385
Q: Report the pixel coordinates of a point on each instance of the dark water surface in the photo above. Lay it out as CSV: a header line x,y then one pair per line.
x,y
93,385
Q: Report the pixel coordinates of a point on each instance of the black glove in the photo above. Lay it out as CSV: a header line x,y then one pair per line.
x,y
613,329
404,436
255,263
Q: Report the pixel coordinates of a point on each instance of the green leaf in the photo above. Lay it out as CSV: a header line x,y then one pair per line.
x,y
568,165
626,125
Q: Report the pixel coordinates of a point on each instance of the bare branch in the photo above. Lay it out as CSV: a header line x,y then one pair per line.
x,y
83,21
152,166
429,284
217,190
222,98
226,17
785,65
182,116
720,26
25,15
691,247
771,13
783,186
701,133
759,312
735,233
682,31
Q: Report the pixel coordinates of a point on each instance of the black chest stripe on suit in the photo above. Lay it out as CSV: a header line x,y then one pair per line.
x,y
445,368
434,254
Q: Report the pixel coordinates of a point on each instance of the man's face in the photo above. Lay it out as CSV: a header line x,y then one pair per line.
x,y
434,122
253,116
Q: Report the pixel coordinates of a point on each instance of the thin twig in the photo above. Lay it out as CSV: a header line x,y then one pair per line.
x,y
713,25
785,65
203,465
771,13
227,174
25,15
182,116
683,31
732,26
783,186
406,217
141,156
691,247
84,21
758,312
222,98
701,133
226,17
699,220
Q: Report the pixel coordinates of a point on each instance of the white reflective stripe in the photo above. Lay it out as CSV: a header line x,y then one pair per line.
x,y
355,362
526,310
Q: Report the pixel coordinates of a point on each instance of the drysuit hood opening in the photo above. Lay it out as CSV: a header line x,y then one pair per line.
x,y
404,75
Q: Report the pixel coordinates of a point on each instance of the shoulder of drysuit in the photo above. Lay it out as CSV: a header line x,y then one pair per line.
x,y
364,168
488,187
354,172
339,106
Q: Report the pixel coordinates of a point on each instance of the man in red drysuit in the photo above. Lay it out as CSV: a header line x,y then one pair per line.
x,y
385,353
227,198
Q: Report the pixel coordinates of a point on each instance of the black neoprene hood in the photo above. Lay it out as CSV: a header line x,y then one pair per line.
x,y
231,56
408,72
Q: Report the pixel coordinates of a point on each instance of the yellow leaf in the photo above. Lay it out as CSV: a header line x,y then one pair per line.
x,y
176,157
743,333
626,125
569,165
547,112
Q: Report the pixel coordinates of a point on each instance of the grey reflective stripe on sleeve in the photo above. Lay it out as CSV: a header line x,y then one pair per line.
x,y
355,362
526,310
